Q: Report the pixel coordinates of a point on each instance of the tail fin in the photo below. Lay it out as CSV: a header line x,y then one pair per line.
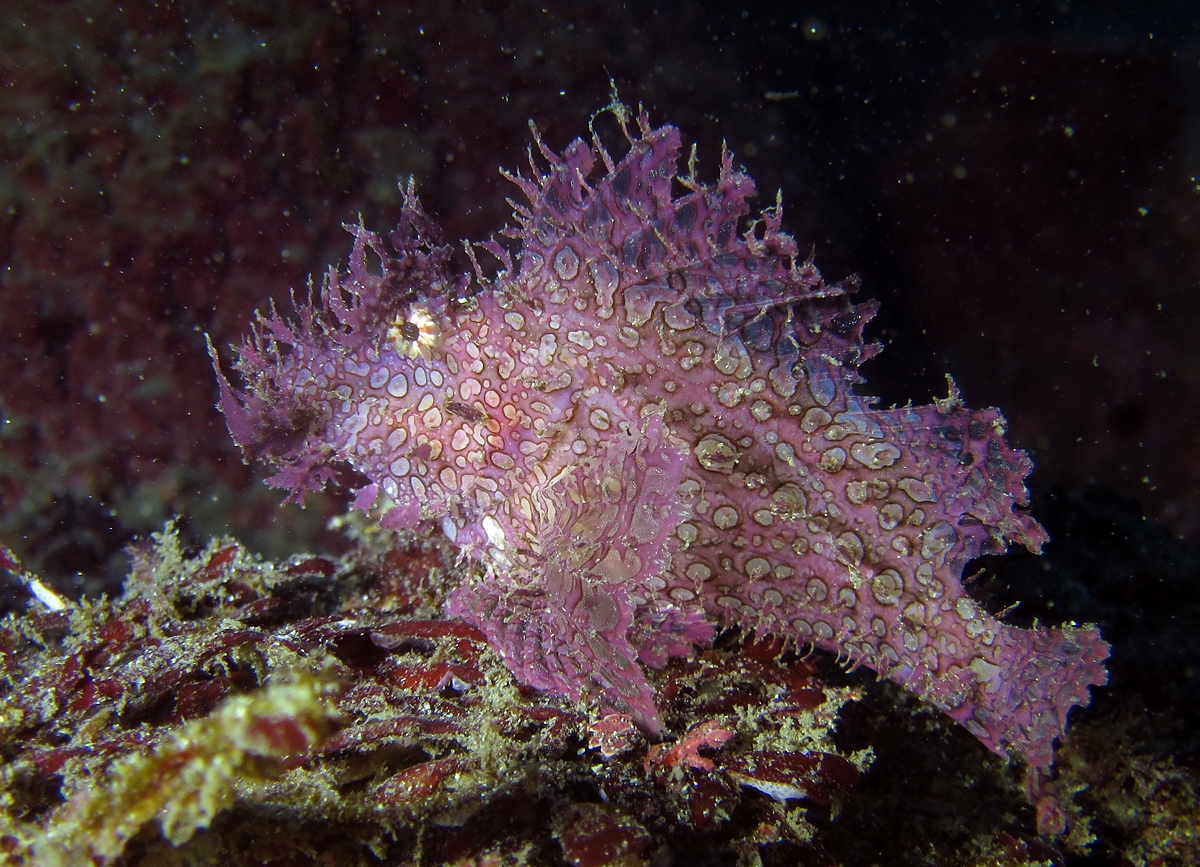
x,y
1020,706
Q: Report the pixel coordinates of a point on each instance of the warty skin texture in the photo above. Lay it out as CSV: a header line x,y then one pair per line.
x,y
645,430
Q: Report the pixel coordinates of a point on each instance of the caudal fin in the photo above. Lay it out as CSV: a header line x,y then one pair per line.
x,y
1020,705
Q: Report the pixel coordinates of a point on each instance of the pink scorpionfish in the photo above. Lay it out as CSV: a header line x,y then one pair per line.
x,y
646,429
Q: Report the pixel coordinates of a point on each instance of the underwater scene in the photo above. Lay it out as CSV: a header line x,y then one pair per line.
x,y
599,434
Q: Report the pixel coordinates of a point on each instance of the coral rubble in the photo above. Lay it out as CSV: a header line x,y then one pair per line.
x,y
314,705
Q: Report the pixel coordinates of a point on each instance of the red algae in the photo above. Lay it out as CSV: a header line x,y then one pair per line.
x,y
223,693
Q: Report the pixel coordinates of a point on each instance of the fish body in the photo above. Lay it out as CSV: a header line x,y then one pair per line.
x,y
645,429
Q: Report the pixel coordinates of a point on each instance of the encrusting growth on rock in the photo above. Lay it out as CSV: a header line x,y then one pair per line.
x,y
230,710
193,775
646,429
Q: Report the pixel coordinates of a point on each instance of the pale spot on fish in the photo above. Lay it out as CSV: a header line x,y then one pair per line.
x,y
726,517
758,567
